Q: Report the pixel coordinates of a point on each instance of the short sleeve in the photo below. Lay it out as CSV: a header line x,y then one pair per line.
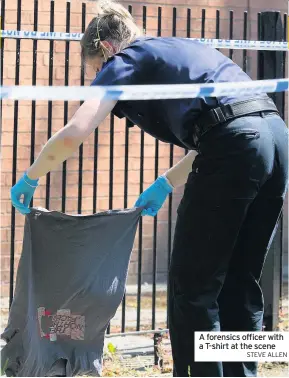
x,y
121,69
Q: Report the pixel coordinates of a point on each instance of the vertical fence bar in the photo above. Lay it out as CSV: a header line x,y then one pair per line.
x,y
171,162
203,23
271,27
80,158
125,204
111,157
155,226
188,36
34,73
284,254
217,24
50,82
231,32
95,168
125,195
2,48
270,67
2,39
245,35
259,53
188,23
140,242
283,107
66,83
14,164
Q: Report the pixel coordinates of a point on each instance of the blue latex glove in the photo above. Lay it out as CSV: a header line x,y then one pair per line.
x,y
24,187
153,198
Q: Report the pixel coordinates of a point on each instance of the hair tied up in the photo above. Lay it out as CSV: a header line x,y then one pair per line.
x,y
111,8
112,23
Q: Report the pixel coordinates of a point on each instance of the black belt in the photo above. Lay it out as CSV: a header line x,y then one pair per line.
x,y
230,112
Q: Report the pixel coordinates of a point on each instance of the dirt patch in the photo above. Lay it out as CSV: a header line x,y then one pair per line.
x,y
143,367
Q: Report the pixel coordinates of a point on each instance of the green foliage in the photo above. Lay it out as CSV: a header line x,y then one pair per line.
x,y
111,348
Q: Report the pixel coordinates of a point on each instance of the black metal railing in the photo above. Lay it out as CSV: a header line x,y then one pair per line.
x,y
243,62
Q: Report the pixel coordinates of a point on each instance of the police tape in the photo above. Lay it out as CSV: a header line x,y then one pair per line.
x,y
144,92
215,43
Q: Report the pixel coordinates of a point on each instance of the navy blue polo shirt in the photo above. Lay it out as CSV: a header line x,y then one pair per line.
x,y
151,60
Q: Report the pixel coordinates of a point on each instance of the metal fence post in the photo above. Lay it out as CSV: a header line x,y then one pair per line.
x,y
270,67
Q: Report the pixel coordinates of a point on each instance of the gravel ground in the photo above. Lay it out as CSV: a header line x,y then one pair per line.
x,y
143,367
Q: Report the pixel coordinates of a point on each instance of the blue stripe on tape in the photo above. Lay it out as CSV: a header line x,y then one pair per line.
x,y
112,94
282,86
206,92
4,93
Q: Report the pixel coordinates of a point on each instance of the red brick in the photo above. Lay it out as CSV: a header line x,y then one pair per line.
x,y
6,177
12,5
44,5
5,263
216,3
9,58
22,165
10,16
6,248
44,20
5,235
6,220
59,47
73,72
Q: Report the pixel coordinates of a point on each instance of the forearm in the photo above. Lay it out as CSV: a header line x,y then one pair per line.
x,y
178,174
58,149
67,140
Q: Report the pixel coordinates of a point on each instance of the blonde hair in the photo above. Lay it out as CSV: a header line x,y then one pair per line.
x,y
113,23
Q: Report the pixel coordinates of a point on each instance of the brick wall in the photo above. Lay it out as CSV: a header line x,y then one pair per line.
x,y
42,76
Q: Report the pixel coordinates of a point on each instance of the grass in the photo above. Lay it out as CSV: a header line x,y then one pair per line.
x,y
146,300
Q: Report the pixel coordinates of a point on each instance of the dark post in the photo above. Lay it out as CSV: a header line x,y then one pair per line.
x,y
82,81
158,355
271,67
14,164
271,62
34,75
66,83
2,50
50,105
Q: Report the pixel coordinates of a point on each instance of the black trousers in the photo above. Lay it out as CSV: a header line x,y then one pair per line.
x,y
226,221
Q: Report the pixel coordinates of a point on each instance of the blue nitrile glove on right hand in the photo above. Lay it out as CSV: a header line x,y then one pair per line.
x,y
24,187
153,198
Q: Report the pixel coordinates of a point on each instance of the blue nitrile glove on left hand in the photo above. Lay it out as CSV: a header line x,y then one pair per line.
x,y
24,187
153,198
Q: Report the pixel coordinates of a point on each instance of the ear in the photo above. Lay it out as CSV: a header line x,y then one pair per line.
x,y
109,47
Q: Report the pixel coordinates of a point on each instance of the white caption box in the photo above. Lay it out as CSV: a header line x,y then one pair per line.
x,y
241,346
